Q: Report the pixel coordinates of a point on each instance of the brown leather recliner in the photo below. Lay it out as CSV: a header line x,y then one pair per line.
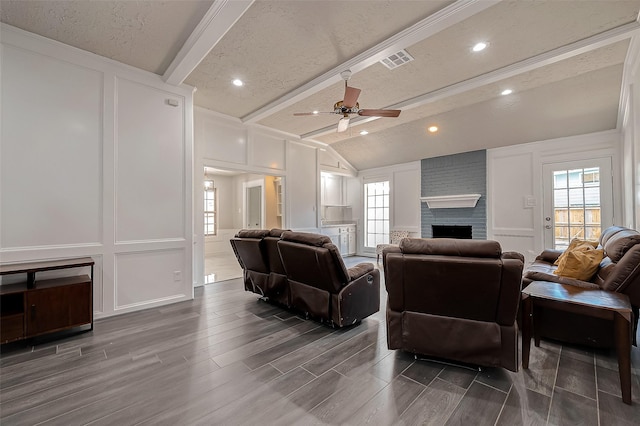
x,y
321,285
454,299
278,285
257,253
619,271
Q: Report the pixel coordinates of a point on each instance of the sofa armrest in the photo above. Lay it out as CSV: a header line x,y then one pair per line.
x,y
357,300
510,286
387,250
549,255
359,270
513,255
541,276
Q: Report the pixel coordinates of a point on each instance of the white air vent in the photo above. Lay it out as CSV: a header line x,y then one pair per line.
x,y
397,59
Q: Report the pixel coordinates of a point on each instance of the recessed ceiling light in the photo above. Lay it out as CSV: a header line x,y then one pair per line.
x,y
315,112
238,82
479,46
506,92
433,129
364,132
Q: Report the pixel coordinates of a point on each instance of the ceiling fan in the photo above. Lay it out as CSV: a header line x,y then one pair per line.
x,y
349,105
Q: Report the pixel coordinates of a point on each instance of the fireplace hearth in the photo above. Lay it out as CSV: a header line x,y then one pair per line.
x,y
451,231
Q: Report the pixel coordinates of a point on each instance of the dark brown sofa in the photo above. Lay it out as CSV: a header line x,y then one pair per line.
x,y
454,299
321,285
619,271
263,272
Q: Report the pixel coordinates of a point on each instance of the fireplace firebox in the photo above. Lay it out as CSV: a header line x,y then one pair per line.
x,y
451,231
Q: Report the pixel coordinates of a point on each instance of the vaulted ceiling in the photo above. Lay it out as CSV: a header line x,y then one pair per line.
x,y
563,60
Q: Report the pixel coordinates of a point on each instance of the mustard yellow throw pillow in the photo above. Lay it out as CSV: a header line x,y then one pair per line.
x,y
580,264
576,244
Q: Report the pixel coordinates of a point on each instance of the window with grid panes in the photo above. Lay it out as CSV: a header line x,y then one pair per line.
x,y
210,222
576,203
376,210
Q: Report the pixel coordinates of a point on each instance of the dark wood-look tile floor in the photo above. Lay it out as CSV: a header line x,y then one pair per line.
x,y
228,358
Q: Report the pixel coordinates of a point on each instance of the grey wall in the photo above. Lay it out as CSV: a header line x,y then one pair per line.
x,y
456,174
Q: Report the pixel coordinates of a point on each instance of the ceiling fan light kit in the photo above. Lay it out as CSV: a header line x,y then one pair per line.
x,y
349,105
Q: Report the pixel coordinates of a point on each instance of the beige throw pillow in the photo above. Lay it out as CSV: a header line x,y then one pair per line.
x,y
580,264
576,244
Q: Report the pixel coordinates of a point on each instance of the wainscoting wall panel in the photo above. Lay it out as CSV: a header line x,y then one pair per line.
x,y
149,277
50,170
150,202
96,162
267,151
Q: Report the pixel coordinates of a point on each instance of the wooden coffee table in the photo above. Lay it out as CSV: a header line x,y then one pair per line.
x,y
595,303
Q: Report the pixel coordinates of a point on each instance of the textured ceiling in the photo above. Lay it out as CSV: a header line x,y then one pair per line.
x,y
144,34
564,59
279,45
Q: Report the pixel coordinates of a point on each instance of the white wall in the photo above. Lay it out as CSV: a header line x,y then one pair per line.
x,y
404,214
96,163
515,172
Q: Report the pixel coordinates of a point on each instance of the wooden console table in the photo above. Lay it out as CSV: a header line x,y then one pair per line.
x,y
35,307
596,303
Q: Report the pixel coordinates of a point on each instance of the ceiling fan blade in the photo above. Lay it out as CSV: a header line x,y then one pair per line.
x,y
380,112
313,113
343,124
350,96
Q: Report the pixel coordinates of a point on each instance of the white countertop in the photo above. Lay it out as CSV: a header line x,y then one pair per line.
x,y
332,225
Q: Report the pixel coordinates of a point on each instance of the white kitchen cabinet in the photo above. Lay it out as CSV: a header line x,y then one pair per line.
x,y
343,236
331,190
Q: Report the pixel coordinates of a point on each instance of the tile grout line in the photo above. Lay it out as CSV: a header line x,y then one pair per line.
x,y
492,387
503,404
416,398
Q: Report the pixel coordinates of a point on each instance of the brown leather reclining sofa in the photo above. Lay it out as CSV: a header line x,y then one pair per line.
x,y
263,272
305,271
619,271
454,299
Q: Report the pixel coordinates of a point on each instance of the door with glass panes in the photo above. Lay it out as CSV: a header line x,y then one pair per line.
x,y
578,201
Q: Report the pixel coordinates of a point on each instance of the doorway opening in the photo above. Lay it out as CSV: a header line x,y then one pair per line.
x,y
235,200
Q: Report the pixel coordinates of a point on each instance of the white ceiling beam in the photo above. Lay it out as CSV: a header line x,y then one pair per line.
x,y
220,17
565,52
439,21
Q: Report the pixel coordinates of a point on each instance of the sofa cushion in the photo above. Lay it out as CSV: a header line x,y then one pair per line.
x,y
625,273
306,238
277,232
576,244
610,232
619,243
252,233
451,247
580,263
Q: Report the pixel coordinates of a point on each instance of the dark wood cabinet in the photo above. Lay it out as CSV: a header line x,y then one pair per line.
x,y
36,307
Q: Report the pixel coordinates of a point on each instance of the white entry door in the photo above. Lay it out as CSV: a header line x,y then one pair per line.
x,y
578,201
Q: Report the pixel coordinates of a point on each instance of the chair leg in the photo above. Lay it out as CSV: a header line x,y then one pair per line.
x,y
636,313
377,258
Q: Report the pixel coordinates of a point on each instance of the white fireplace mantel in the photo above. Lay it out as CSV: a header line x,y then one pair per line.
x,y
451,201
